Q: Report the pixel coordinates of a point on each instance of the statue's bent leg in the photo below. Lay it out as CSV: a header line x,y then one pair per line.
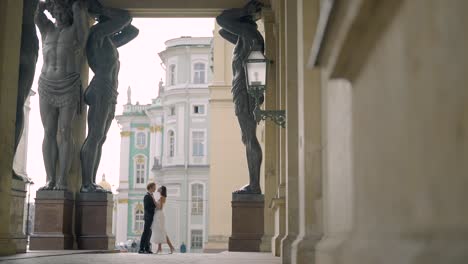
x,y
66,117
49,117
110,118
90,151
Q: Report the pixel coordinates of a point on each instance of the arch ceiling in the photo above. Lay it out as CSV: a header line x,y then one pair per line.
x,y
175,8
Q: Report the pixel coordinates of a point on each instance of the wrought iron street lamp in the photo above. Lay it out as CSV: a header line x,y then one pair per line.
x,y
256,73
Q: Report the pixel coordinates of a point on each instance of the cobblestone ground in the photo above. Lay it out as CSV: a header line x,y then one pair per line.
x,y
134,258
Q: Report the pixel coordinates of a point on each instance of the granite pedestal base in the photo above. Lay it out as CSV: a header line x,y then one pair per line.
x,y
247,222
53,221
94,221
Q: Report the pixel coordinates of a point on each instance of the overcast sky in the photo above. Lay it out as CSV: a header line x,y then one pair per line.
x,y
141,69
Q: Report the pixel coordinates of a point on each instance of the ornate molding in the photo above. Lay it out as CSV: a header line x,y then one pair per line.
x,y
125,133
155,129
123,201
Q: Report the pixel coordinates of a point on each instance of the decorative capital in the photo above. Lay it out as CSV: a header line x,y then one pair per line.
x,y
155,129
123,201
125,133
140,128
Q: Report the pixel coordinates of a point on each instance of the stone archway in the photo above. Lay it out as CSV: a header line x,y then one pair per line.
x,y
10,38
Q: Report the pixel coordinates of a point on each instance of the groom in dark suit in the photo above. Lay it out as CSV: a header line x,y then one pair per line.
x,y
149,205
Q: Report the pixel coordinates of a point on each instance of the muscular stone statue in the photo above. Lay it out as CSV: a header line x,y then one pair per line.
x,y
112,31
60,83
28,59
239,27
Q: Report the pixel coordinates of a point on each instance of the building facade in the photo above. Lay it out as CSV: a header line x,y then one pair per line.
x,y
167,142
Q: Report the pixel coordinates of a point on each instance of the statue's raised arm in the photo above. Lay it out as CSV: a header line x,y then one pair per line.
x,y
238,21
41,20
80,22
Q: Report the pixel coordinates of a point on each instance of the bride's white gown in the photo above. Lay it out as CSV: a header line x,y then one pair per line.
x,y
158,228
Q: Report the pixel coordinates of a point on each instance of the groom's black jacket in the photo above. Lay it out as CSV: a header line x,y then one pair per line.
x,y
149,207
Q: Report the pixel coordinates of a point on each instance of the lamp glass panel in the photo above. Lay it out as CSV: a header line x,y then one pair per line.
x,y
256,69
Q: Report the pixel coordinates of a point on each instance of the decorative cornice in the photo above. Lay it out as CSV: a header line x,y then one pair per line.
x,y
125,133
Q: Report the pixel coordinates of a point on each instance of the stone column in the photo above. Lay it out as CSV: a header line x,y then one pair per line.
x,y
10,38
271,136
278,204
337,169
292,162
310,138
122,196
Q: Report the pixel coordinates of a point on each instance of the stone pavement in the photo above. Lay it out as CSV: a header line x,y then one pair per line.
x,y
83,257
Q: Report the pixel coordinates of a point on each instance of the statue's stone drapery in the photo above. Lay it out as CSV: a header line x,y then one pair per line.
x,y
239,27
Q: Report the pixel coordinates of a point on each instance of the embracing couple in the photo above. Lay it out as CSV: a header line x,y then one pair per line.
x,y
155,228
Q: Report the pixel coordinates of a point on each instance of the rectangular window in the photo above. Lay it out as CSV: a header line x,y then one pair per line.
x,y
199,109
197,199
196,239
172,111
140,173
198,143
139,219
199,73
172,74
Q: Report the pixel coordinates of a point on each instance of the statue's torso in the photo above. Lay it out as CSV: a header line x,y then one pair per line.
x,y
103,59
62,53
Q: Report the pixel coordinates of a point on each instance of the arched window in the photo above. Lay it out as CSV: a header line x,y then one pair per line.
x,y
172,74
140,169
171,143
141,139
199,72
139,219
197,199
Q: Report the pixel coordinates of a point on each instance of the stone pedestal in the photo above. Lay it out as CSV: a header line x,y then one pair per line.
x,y
247,222
53,221
94,221
18,195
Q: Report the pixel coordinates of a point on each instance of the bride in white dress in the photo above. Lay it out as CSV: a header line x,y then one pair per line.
x,y
158,228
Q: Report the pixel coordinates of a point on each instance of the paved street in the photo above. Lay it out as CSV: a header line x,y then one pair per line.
x,y
133,258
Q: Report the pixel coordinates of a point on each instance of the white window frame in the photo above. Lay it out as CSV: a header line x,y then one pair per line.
x,y
135,169
194,106
192,237
137,222
172,74
200,199
195,71
174,148
192,109
203,143
141,146
171,108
